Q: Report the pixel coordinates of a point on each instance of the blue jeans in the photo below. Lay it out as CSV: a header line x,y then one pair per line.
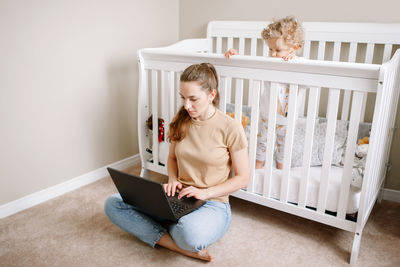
x,y
193,232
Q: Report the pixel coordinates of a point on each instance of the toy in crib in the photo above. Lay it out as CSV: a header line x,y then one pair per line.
x,y
162,144
359,162
245,119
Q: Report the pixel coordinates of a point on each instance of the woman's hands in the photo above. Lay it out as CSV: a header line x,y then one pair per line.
x,y
195,192
173,186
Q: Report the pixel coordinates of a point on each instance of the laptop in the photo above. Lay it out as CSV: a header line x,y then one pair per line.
x,y
149,197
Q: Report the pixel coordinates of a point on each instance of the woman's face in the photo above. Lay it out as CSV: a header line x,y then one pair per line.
x,y
196,100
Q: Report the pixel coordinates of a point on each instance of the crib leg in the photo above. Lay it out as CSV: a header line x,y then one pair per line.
x,y
380,196
144,173
355,249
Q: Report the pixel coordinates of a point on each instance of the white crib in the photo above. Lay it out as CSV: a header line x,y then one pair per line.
x,y
343,84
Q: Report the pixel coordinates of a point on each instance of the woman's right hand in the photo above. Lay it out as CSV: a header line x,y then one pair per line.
x,y
171,187
230,53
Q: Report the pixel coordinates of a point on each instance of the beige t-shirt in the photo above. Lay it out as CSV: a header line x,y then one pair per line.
x,y
203,156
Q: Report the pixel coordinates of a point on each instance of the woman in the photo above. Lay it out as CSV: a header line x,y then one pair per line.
x,y
205,145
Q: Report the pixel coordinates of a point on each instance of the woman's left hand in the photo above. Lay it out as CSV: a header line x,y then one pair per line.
x,y
195,192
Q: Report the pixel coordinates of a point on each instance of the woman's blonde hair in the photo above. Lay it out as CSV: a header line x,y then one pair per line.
x,y
206,75
287,28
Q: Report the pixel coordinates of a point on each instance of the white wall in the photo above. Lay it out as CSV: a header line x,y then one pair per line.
x,y
68,85
195,15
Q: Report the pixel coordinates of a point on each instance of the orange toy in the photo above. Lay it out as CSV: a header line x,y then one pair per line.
x,y
364,140
245,119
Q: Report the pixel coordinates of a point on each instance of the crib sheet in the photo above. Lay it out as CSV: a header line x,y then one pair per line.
x,y
313,187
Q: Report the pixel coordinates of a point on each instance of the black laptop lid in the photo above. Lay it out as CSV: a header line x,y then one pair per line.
x,y
145,195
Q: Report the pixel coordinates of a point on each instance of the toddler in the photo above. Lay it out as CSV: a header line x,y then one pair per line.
x,y
283,37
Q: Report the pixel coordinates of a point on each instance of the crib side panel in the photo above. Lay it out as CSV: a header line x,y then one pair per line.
x,y
241,87
381,135
352,42
345,42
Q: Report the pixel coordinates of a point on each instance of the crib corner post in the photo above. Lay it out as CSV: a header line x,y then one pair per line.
x,y
355,249
144,172
380,195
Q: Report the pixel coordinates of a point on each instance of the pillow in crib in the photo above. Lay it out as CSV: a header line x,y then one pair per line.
x,y
246,110
318,147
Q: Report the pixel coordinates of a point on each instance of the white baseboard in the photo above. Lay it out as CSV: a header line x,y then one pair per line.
x,y
65,187
391,195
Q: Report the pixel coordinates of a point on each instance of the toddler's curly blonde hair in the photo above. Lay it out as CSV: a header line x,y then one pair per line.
x,y
287,28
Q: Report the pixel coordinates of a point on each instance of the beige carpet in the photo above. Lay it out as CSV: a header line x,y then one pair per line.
x,y
72,230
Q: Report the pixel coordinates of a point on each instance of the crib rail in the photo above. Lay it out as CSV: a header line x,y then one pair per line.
x,y
350,42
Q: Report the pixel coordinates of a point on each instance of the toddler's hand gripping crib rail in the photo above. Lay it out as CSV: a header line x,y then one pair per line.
x,y
343,88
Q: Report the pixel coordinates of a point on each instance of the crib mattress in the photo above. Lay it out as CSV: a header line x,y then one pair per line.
x,y
313,187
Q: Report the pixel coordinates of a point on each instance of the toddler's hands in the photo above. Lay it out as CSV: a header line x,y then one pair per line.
x,y
289,56
171,187
230,53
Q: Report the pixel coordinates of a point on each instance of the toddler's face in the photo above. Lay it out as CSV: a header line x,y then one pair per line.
x,y
279,48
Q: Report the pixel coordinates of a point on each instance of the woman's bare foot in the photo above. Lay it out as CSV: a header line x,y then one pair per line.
x,y
167,242
202,255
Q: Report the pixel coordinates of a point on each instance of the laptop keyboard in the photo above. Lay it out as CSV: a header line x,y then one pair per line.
x,y
177,206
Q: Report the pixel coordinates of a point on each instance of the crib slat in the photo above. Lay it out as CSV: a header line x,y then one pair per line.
x,y
154,110
364,106
228,91
178,97
222,94
333,103
230,43
265,49
302,102
164,93
219,45
171,97
253,131
352,52
273,93
349,157
387,52
238,99
347,93
336,51
346,105
369,53
241,46
253,51
311,114
250,92
289,142
321,50
368,59
306,49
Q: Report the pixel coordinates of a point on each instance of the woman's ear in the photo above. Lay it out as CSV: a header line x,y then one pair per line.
x,y
212,94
